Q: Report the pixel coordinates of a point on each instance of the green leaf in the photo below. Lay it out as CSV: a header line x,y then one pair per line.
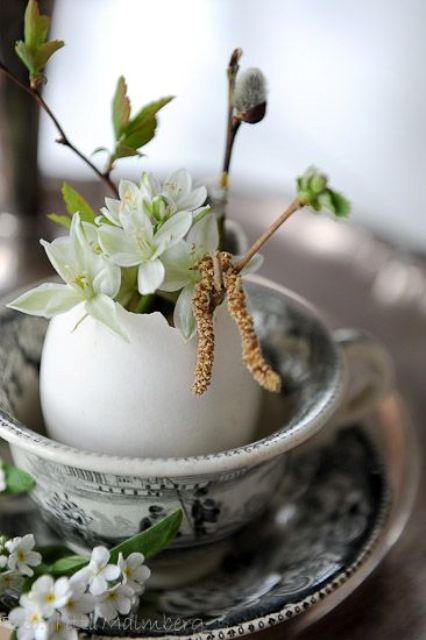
x,y
120,108
17,481
148,111
336,203
69,565
99,150
75,203
36,26
27,56
139,130
140,135
124,151
46,51
64,221
313,190
53,552
151,541
35,50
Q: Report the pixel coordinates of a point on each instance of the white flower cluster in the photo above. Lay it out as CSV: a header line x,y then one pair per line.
x,y
17,561
52,609
157,231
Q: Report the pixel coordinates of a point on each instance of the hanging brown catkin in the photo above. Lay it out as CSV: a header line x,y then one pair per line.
x,y
252,353
204,302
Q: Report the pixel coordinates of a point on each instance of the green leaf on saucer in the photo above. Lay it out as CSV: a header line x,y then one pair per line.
x,y
68,565
53,552
17,481
151,541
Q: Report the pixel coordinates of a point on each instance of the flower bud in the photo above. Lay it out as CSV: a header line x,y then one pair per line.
x,y
250,96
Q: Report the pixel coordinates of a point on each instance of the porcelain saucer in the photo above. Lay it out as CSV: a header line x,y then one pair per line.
x,y
351,494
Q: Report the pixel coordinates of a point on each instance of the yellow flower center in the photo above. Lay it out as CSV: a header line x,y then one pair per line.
x,y
35,618
49,597
82,281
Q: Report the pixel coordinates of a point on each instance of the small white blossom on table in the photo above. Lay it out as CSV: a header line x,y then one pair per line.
x,y
22,558
98,572
134,572
52,609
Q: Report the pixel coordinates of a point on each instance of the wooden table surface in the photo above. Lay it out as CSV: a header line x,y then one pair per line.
x,y
361,282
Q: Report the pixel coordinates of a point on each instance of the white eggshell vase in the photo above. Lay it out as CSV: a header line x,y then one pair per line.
x,y
103,394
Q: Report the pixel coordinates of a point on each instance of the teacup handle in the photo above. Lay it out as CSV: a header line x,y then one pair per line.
x,y
371,373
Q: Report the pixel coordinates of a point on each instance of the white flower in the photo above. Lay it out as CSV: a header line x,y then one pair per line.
x,y
158,201
180,270
28,620
98,572
22,557
90,279
140,243
180,264
10,582
117,600
50,595
130,198
135,573
177,190
3,561
59,629
79,604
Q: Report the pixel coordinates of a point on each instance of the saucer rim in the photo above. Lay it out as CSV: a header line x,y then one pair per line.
x,y
399,495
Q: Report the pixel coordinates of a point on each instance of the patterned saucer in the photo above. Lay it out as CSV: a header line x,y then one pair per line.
x,y
350,496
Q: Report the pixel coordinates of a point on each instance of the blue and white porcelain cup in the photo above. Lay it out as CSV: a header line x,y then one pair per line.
x,y
91,498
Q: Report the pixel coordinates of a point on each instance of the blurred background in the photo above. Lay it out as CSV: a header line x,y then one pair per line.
x,y
347,93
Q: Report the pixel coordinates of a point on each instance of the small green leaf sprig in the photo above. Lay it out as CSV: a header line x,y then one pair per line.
x,y
313,190
59,591
130,134
35,50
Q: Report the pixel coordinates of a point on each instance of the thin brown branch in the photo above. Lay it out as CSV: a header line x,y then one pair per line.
x,y
231,126
294,206
63,138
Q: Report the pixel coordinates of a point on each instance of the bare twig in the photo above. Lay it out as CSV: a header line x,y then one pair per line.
x,y
63,138
294,206
232,124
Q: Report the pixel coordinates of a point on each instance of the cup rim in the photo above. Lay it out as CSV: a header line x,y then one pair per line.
x,y
249,455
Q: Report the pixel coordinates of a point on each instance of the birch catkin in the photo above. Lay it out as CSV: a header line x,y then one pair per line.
x,y
206,297
202,307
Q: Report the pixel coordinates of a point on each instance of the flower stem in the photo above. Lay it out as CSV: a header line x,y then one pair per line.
x,y
63,138
232,127
145,303
294,206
